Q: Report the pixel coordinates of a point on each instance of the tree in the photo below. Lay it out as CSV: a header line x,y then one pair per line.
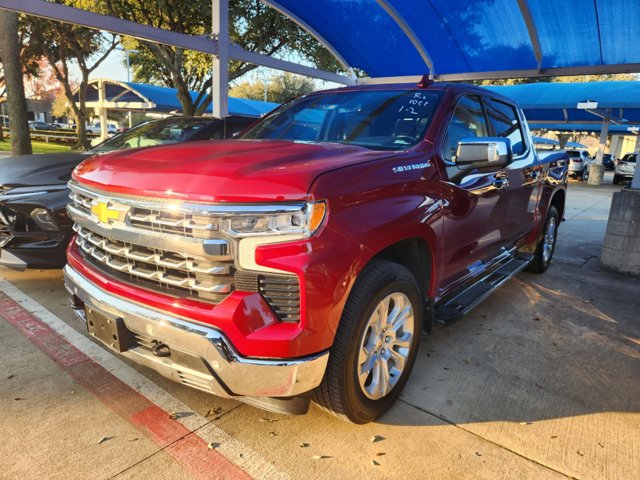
x,y
252,25
43,84
28,63
63,44
10,53
561,79
279,88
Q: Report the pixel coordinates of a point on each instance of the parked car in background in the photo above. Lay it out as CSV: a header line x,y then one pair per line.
x,y
112,128
41,126
625,168
609,162
34,227
578,164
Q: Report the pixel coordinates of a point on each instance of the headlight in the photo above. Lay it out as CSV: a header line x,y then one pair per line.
x,y
44,220
295,220
13,193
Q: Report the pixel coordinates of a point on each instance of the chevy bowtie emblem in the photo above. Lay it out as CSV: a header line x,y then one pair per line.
x,y
105,213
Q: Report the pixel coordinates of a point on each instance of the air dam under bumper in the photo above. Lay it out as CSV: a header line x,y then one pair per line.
x,y
201,357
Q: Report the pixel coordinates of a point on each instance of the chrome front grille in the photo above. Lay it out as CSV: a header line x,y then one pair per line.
x,y
157,216
165,270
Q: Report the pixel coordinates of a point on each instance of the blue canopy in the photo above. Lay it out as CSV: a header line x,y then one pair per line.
x,y
448,37
557,102
140,96
166,99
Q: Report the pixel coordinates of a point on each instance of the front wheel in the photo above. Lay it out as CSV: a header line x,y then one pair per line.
x,y
375,346
547,244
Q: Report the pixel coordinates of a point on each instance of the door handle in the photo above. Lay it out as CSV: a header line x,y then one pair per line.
x,y
500,183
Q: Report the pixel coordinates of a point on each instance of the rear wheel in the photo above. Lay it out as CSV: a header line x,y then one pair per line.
x,y
375,346
547,244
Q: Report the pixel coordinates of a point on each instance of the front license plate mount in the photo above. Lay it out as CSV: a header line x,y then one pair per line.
x,y
109,330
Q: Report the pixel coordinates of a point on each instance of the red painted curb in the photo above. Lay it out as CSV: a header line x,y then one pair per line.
x,y
190,452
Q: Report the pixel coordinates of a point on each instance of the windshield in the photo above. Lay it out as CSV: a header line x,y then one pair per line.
x,y
630,157
376,119
153,133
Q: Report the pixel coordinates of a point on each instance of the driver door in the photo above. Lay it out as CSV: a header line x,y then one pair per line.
x,y
472,233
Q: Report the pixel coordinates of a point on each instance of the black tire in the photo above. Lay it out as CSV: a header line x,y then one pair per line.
x,y
340,392
616,179
539,264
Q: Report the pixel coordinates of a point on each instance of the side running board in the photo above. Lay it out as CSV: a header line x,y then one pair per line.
x,y
454,308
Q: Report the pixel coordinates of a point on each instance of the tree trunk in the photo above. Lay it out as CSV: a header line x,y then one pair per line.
x,y
83,142
10,53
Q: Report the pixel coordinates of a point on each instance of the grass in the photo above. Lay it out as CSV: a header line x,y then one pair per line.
x,y
38,147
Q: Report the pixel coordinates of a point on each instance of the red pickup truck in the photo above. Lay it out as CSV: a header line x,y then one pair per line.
x,y
305,258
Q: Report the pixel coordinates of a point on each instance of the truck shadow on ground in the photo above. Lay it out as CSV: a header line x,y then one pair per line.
x,y
559,345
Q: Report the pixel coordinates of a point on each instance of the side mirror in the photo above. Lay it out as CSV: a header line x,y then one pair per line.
x,y
482,152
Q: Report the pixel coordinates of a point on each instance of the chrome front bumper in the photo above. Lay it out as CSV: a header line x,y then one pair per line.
x,y
201,357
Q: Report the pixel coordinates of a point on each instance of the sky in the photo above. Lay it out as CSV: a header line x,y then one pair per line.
x,y
113,68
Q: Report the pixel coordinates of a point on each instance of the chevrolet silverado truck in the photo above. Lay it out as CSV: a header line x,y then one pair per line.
x,y
304,259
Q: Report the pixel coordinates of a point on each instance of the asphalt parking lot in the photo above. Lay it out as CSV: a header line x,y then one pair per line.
x,y
540,381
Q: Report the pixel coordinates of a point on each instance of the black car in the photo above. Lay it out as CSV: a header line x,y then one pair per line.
x,y
34,227
607,161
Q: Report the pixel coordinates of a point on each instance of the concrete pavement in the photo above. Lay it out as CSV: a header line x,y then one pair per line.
x,y
540,381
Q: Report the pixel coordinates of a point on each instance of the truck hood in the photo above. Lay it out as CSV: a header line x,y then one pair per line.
x,y
36,170
221,171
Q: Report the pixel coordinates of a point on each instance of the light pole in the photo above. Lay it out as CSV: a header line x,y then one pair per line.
x,y
126,53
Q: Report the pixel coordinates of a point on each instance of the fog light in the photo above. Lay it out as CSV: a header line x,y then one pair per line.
x,y
44,220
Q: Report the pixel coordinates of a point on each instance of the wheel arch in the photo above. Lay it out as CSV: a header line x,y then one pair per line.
x,y
418,256
558,200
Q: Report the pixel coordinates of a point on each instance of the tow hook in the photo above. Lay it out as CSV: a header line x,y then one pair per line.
x,y
161,350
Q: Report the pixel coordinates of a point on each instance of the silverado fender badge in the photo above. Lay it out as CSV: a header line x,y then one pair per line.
x,y
105,213
413,166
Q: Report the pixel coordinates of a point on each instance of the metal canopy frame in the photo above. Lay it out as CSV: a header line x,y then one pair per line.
x,y
222,50
219,45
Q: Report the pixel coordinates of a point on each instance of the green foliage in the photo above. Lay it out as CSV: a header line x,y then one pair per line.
x,y
252,25
280,88
560,79
38,147
62,44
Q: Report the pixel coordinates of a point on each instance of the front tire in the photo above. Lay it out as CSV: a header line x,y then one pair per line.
x,y
616,179
375,346
547,244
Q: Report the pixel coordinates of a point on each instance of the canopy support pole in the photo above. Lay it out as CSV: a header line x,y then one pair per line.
x,y
408,31
102,111
533,31
313,32
220,74
635,182
596,171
